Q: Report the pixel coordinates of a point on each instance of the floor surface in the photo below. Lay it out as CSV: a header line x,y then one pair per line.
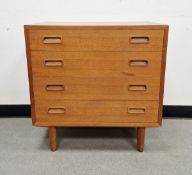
x,y
24,150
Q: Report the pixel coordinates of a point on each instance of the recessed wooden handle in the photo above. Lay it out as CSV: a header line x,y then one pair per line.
x,y
136,63
139,39
137,87
56,110
136,110
55,87
53,63
52,39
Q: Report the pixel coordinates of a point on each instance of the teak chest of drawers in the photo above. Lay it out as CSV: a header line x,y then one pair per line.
x,y
94,74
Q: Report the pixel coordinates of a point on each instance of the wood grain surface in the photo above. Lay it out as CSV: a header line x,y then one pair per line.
x,y
96,40
97,111
102,73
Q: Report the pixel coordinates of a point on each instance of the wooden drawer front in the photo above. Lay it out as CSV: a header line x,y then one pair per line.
x,y
96,111
96,64
93,87
96,40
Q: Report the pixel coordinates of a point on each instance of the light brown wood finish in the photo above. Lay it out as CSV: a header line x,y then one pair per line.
x,y
97,75
97,88
97,25
140,138
103,75
96,63
30,76
96,124
53,138
162,79
97,111
96,40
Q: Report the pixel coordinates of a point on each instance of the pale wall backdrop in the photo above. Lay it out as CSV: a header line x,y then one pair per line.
x,y
14,14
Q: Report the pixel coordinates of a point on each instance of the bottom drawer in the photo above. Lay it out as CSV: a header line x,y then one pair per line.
x,y
96,111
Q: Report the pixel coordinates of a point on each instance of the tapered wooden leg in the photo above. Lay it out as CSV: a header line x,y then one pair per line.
x,y
140,139
53,138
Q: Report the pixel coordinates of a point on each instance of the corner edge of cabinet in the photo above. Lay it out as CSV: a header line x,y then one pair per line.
x,y
27,27
33,120
159,122
166,27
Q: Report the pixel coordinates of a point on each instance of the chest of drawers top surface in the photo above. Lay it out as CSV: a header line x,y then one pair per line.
x,y
114,25
106,74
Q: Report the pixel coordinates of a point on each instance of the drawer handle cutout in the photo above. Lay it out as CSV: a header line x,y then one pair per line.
x,y
139,39
55,88
55,39
56,110
53,63
136,110
137,87
139,63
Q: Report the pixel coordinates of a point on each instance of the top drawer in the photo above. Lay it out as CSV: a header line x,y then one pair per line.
x,y
96,40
